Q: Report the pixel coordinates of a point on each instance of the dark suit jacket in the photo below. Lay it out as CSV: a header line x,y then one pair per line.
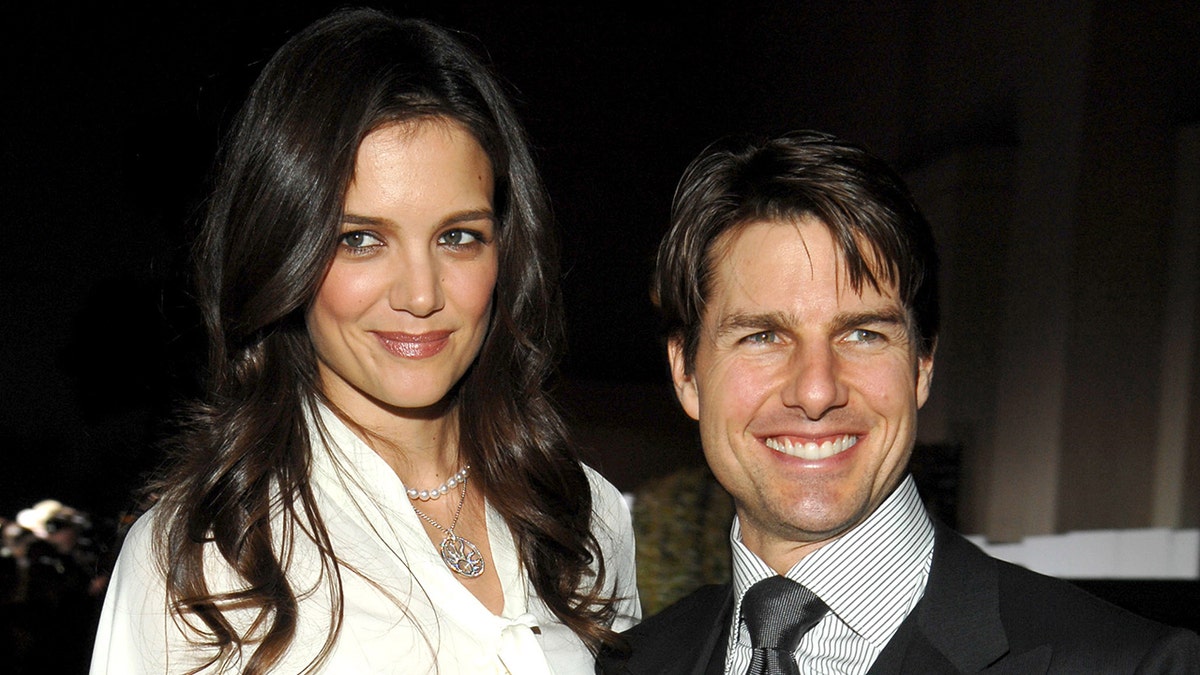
x,y
978,615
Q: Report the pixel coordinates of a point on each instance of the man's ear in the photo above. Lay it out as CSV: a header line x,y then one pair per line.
x,y
925,376
685,382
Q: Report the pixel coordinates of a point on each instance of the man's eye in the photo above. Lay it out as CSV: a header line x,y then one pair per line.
x,y
863,335
359,240
761,337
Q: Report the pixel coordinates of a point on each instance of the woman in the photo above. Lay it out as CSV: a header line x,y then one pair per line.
x,y
375,481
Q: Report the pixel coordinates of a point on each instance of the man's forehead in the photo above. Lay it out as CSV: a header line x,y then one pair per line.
x,y
742,248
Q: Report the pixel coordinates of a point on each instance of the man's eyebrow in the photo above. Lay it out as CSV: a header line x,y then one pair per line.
x,y
758,321
891,316
768,321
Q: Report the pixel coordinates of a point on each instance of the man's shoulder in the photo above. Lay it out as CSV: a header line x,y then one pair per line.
x,y
701,607
1083,629
1025,594
679,639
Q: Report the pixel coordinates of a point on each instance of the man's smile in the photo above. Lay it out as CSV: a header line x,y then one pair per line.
x,y
811,450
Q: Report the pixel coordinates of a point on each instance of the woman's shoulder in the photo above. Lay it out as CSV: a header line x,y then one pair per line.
x,y
145,551
136,580
612,524
610,510
137,544
603,491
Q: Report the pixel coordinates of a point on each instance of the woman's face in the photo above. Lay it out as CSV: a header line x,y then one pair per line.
x,y
405,305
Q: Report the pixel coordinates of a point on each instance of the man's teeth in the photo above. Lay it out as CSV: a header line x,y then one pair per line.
x,y
812,450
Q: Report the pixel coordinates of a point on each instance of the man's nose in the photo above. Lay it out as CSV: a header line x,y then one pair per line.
x,y
814,382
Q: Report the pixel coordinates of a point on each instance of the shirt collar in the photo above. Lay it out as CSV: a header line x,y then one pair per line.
x,y
869,586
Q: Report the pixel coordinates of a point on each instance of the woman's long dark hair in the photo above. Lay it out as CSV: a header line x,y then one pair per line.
x,y
243,458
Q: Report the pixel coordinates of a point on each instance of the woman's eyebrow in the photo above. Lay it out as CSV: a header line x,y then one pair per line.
x,y
457,217
353,219
469,216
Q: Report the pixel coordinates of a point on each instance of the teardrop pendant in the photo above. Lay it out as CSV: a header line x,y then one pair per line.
x,y
461,556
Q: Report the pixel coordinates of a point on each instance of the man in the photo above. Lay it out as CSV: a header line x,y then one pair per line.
x,y
798,283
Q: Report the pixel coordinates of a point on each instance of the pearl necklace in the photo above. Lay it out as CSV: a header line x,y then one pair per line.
x,y
459,554
444,488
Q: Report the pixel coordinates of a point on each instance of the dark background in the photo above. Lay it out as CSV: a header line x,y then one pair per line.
x,y
112,115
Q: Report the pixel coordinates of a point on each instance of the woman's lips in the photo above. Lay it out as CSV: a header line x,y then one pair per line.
x,y
414,345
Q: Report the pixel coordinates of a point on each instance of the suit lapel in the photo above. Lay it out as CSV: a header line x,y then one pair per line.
x,y
713,620
718,646
956,627
909,651
960,613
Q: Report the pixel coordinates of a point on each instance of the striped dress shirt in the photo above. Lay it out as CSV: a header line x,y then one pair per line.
x,y
871,578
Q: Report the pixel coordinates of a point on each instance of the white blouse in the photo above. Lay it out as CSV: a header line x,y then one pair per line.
x,y
404,611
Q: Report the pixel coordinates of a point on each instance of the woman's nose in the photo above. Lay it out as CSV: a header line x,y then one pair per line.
x,y
416,287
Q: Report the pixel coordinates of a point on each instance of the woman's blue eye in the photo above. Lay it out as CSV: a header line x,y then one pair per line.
x,y
357,240
460,238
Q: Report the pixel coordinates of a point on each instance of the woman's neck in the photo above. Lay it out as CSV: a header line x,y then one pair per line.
x,y
421,446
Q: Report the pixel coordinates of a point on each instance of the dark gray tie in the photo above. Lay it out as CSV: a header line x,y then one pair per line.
x,y
778,612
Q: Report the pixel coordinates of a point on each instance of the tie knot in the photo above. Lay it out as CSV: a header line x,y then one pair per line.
x,y
778,612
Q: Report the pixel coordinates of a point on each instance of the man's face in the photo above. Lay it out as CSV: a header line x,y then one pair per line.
x,y
806,392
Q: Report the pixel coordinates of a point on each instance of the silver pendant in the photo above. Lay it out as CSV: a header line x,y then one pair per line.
x,y
461,556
